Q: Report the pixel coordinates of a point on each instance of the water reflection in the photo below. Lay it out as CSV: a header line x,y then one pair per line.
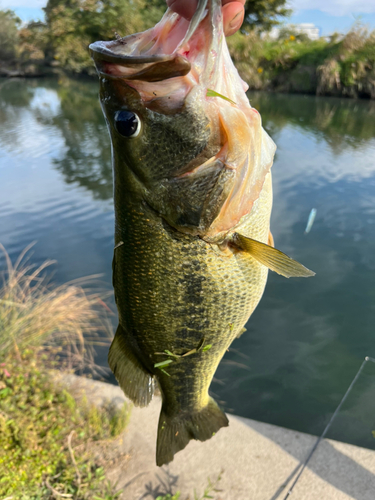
x,y
307,338
68,110
56,176
341,123
340,127
87,158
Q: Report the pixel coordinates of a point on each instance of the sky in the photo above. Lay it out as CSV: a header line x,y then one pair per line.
x,y
328,15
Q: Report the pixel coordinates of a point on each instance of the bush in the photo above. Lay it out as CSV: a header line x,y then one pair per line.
x,y
293,63
45,436
351,69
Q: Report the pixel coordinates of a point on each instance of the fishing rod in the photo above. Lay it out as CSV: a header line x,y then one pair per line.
x,y
313,449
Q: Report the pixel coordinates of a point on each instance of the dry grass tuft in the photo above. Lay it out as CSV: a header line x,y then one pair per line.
x,y
350,71
328,77
358,36
62,323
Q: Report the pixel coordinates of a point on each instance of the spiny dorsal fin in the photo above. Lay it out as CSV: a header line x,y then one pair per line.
x,y
272,258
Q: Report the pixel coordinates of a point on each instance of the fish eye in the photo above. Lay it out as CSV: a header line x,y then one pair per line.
x,y
127,123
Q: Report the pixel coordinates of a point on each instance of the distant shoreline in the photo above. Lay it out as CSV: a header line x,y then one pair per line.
x,y
292,63
305,83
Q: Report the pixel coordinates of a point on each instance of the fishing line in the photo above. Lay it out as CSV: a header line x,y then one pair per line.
x,y
367,358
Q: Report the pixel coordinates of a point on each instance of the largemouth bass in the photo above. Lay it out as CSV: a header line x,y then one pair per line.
x,y
193,197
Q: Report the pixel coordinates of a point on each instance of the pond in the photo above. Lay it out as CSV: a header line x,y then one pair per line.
x,y
307,338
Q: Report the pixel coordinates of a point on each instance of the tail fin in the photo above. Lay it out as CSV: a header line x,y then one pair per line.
x,y
136,382
175,432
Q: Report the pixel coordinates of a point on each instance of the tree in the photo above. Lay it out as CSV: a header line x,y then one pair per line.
x,y
263,14
9,23
73,24
33,42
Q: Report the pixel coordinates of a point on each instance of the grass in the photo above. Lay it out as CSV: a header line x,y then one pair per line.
x,y
64,322
293,63
211,488
46,437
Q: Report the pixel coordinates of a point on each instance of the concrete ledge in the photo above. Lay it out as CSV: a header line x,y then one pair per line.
x,y
259,461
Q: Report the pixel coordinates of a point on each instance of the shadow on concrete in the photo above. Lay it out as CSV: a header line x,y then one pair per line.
x,y
328,463
167,484
281,489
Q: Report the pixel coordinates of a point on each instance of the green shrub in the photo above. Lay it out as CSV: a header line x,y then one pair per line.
x,y
45,436
295,63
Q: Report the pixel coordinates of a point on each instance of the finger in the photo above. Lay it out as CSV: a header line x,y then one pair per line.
x,y
224,2
233,12
233,15
184,8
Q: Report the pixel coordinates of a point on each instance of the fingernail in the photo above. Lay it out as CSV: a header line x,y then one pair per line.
x,y
235,21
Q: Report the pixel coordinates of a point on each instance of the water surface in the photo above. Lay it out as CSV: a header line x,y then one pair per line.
x,y
307,338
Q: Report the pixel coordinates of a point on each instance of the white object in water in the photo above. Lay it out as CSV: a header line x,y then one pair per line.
x,y
310,220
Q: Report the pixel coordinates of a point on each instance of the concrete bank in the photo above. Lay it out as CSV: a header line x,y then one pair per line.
x,y
259,461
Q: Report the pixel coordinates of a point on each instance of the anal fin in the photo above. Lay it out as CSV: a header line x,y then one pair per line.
x,y
272,258
136,382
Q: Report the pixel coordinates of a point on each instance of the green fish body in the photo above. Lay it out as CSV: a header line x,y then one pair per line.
x,y
193,199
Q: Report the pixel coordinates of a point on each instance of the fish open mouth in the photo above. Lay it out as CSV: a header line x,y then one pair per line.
x,y
185,65
168,50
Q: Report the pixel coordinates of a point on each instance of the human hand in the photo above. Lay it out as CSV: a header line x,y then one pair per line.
x,y
233,12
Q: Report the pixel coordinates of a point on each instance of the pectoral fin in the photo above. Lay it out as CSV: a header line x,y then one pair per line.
x,y
272,258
